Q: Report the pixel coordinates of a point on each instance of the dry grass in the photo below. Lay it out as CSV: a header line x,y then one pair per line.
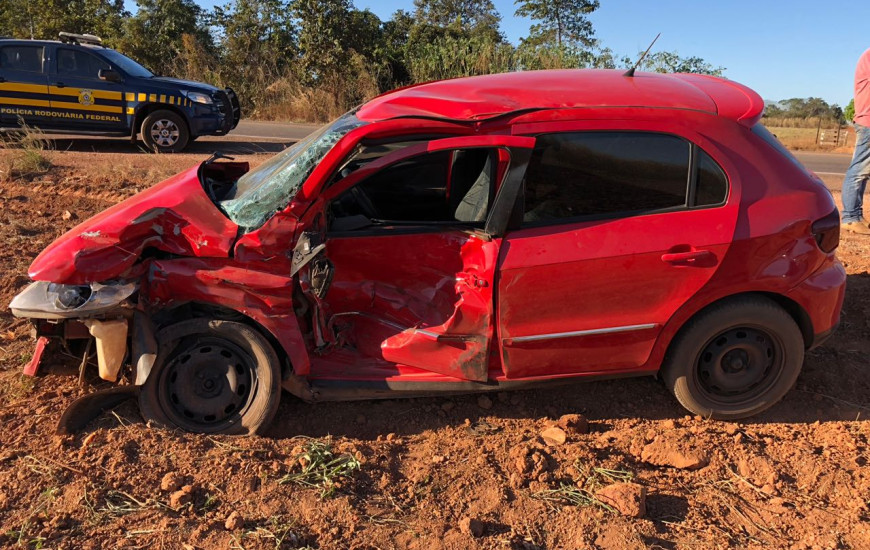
x,y
804,139
24,153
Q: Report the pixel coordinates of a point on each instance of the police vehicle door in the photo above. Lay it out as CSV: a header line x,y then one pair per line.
x,y
23,85
79,98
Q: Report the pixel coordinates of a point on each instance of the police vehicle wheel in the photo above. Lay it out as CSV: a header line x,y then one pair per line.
x,y
165,132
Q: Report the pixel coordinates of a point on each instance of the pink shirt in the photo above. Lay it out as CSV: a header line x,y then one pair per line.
x,y
862,90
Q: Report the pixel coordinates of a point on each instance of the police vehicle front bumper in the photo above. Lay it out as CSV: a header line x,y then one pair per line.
x,y
221,118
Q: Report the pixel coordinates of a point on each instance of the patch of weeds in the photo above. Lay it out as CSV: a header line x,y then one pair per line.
x,y
582,493
571,494
321,468
22,535
26,153
119,503
38,467
17,388
211,501
280,533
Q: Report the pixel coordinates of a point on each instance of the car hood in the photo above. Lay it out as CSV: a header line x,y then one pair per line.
x,y
175,216
192,84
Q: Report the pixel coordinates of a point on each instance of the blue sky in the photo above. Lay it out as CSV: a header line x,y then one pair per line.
x,y
781,49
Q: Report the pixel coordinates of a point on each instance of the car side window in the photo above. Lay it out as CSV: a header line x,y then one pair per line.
x,y
605,173
617,174
21,58
440,187
79,64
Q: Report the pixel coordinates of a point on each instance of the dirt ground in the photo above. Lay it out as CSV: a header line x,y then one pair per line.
x,y
453,473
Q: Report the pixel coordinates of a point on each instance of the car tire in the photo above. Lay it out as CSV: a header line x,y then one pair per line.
x,y
735,359
212,376
164,131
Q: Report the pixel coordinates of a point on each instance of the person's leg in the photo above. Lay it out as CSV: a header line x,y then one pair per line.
x,y
856,177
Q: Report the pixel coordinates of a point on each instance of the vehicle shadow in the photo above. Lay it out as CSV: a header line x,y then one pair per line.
x,y
201,146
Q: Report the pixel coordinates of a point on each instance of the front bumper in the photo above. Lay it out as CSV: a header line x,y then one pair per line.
x,y
101,312
222,119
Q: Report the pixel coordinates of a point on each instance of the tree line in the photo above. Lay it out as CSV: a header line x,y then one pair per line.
x,y
811,110
313,59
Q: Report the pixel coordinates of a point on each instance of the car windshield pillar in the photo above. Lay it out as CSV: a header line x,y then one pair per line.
x,y
257,195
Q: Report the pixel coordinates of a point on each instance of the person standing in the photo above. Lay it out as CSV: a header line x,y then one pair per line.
x,y
859,171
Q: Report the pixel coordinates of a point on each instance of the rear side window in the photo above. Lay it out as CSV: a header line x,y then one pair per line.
x,y
21,58
712,188
79,64
614,174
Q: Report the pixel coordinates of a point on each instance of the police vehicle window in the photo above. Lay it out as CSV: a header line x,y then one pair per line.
x,y
126,64
441,187
712,187
79,64
21,58
604,174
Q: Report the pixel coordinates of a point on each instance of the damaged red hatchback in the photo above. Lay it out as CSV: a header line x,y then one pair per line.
x,y
468,235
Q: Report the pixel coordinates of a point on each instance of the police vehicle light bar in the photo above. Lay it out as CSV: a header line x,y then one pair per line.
x,y
70,38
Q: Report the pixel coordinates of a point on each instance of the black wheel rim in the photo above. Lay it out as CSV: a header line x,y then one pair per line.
x,y
207,384
738,365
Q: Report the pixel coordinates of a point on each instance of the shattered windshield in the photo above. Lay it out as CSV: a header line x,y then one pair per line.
x,y
260,193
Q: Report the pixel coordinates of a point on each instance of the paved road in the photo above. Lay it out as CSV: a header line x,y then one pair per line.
x,y
273,130
824,164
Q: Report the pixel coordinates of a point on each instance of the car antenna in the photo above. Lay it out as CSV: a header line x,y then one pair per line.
x,y
217,155
630,72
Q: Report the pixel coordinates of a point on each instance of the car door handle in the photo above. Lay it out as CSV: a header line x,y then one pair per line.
x,y
60,85
689,257
2,79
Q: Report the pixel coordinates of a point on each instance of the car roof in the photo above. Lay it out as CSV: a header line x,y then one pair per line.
x,y
482,97
28,41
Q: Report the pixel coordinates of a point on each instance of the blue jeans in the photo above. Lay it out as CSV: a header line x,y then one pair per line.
x,y
856,177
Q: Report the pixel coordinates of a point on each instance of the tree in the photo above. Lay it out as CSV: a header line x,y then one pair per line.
x,y
323,37
44,19
154,36
849,111
256,43
773,110
465,16
671,62
560,22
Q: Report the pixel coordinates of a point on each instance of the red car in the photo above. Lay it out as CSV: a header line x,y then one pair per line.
x,y
478,234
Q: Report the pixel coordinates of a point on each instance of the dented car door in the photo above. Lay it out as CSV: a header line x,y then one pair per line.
x,y
399,257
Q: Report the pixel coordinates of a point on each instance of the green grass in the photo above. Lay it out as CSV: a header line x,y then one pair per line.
x,y
321,467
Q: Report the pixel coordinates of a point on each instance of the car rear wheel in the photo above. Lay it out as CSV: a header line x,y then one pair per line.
x,y
735,359
165,132
212,376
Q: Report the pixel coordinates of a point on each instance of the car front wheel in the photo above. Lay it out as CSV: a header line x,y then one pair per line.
x,y
165,132
735,359
212,376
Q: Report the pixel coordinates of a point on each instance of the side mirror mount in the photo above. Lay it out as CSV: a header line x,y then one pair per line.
x,y
109,75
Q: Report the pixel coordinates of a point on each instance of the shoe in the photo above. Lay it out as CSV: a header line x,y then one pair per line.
x,y
859,227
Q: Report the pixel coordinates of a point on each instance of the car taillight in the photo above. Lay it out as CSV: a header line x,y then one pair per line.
x,y
827,231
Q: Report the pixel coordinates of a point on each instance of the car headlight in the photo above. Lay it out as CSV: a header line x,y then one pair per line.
x,y
42,300
197,97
